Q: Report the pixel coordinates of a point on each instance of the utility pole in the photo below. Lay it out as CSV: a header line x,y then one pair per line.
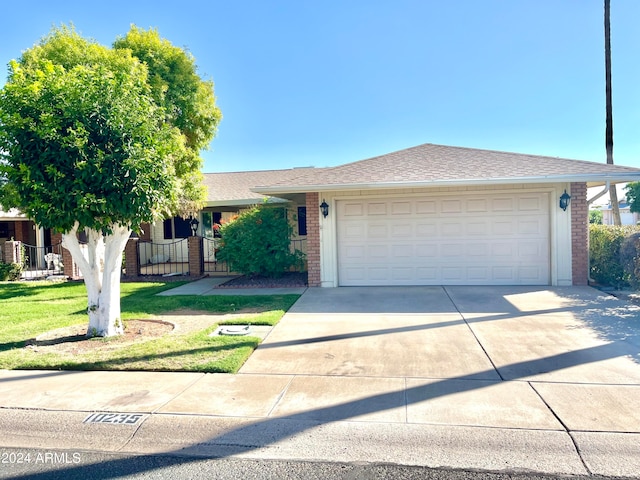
x,y
613,193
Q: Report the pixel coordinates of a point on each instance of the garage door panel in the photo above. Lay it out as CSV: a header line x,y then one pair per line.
x,y
401,208
451,206
477,239
402,230
477,227
477,205
374,208
351,209
426,207
426,229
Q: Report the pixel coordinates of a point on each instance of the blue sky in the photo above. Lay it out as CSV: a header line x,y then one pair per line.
x,y
326,82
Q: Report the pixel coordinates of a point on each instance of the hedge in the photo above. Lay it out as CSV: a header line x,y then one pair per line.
x,y
10,271
614,254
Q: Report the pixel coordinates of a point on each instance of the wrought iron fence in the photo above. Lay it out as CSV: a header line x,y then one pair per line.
x,y
164,258
211,263
41,262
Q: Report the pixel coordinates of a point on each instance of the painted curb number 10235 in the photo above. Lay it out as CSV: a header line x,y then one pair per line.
x,y
117,418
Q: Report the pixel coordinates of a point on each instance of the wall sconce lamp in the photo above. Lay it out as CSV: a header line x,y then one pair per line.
x,y
194,226
324,208
565,200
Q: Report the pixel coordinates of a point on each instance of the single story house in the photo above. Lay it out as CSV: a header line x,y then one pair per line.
x,y
426,215
441,215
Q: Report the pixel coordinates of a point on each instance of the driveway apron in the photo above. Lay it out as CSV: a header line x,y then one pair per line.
x,y
373,332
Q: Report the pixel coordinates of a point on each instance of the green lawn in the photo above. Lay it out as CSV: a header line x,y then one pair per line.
x,y
30,309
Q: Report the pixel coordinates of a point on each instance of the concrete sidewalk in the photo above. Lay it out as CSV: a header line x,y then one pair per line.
x,y
207,286
496,409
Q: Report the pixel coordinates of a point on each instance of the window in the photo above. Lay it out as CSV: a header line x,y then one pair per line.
x,y
182,227
210,220
168,229
7,230
302,221
176,227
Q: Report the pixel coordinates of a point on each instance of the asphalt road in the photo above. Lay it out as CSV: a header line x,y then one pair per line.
x,y
37,464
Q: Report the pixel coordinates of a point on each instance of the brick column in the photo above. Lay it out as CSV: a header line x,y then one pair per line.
x,y
579,234
145,233
12,251
131,259
196,260
71,270
56,238
313,239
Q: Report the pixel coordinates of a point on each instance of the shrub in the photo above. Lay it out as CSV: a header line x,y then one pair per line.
x,y
258,242
595,216
10,271
606,266
630,259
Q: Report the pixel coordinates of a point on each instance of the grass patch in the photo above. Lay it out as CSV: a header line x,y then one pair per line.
x,y
30,309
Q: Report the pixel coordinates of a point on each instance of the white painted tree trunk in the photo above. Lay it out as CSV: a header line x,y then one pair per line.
x,y
101,271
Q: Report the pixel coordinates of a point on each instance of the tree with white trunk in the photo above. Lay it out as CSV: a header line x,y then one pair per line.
x,y
100,140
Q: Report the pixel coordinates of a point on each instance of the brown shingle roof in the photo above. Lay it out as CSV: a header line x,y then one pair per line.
x,y
234,188
430,164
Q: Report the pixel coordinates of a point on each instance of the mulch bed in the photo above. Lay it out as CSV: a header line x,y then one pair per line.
x,y
288,280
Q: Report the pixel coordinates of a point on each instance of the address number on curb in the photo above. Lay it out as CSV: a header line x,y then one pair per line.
x,y
114,418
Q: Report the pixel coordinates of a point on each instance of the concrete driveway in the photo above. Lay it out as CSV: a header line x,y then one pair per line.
x,y
573,334
535,358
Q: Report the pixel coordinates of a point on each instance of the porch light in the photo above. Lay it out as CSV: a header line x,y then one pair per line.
x,y
324,208
565,200
194,226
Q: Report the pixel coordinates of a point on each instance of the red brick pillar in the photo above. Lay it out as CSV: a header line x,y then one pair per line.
x,y
71,269
313,239
579,234
131,259
196,260
145,232
12,252
56,238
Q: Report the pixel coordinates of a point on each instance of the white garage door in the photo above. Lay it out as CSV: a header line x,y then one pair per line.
x,y
445,240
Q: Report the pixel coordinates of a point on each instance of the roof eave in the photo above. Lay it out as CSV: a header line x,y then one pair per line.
x,y
243,202
591,179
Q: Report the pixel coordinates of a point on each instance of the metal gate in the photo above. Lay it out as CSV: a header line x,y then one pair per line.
x,y
40,262
165,259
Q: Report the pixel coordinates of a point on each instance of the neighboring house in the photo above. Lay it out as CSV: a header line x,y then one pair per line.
x,y
626,216
439,215
603,204
16,226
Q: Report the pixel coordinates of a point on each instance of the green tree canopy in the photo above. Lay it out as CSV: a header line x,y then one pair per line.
x,y
633,196
103,139
187,100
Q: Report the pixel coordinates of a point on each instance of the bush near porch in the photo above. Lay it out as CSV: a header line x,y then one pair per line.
x,y
258,242
614,253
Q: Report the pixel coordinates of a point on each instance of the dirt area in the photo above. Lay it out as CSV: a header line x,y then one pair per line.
x,y
288,280
75,341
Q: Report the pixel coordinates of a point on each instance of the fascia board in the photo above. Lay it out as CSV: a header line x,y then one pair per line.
x,y
589,178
